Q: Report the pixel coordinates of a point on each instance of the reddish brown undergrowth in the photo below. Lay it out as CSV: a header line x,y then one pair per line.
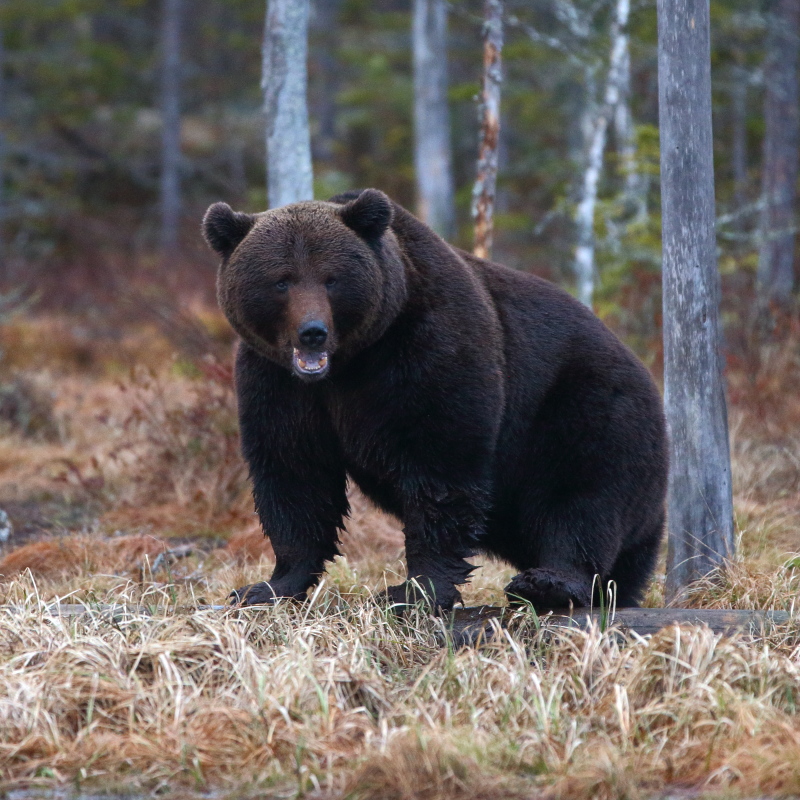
x,y
335,697
72,555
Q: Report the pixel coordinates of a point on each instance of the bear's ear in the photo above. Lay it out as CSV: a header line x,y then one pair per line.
x,y
224,228
369,215
345,197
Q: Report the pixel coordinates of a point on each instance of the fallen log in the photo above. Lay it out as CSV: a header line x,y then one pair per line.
x,y
473,625
120,610
642,620
469,625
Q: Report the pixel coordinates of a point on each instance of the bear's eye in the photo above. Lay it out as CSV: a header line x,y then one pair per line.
x,y
282,286
330,282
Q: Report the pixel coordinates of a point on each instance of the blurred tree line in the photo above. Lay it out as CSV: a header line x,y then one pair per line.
x,y
84,96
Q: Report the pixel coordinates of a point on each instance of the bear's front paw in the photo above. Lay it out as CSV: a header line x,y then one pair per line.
x,y
412,592
260,594
549,588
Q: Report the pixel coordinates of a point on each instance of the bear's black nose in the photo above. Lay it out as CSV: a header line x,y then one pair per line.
x,y
313,334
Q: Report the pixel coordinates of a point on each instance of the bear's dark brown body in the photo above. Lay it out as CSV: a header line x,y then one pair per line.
x,y
486,408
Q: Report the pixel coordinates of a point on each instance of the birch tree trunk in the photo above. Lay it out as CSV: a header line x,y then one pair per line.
x,y
779,173
584,214
285,85
699,503
484,191
635,187
432,150
171,13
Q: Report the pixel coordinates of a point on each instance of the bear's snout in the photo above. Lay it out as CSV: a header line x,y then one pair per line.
x,y
313,334
310,357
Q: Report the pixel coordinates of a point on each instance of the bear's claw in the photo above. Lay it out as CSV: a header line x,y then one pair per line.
x,y
549,588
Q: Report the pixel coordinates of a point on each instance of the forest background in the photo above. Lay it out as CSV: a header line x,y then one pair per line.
x,y
122,120
121,481
82,122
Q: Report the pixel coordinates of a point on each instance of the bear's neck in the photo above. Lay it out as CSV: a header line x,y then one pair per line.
x,y
394,296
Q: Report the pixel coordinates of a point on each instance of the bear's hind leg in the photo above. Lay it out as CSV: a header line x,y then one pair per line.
x,y
547,588
565,547
634,566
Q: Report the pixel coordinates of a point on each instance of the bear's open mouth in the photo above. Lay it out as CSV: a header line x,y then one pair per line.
x,y
308,365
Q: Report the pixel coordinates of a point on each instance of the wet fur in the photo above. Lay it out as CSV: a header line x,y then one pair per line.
x,y
486,408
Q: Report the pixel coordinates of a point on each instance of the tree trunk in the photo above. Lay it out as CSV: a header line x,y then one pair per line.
x,y
285,83
781,140
325,18
699,503
171,13
739,139
432,151
483,193
584,214
635,186
4,270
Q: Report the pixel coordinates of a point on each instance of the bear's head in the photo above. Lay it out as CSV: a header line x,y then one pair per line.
x,y
312,283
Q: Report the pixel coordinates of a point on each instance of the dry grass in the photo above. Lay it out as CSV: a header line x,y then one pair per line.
x,y
336,697
72,555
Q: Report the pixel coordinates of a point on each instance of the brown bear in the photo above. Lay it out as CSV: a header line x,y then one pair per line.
x,y
486,408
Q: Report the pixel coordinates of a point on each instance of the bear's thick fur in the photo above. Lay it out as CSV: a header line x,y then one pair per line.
x,y
486,408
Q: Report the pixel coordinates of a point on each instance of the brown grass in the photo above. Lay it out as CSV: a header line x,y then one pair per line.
x,y
336,697
72,555
339,696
